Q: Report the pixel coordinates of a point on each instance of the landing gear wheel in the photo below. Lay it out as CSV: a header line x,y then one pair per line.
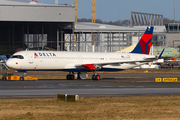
x,y
95,77
70,77
67,77
21,79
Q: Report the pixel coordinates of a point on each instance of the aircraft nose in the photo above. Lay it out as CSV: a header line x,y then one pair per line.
x,y
9,63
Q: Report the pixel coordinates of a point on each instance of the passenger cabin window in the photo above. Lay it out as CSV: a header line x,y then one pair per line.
x,y
18,56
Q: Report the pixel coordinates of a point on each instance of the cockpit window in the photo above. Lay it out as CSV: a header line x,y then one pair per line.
x,y
18,56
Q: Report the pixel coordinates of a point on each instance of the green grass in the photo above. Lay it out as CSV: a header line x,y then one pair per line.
x,y
88,108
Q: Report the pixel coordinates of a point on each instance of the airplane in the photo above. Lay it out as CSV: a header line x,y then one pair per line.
x,y
83,62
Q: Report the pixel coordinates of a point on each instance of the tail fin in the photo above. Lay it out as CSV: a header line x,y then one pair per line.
x,y
144,45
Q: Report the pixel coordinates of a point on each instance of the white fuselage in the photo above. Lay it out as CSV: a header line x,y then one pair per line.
x,y
70,61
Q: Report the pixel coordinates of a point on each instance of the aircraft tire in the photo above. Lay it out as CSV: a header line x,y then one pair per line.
x,y
93,77
71,77
68,77
97,77
21,79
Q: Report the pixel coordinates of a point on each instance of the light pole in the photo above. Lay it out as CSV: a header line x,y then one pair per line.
x,y
174,11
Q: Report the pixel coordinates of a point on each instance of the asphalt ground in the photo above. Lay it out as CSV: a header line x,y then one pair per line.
x,y
111,84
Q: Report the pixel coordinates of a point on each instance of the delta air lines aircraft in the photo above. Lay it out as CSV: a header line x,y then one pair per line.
x,y
84,61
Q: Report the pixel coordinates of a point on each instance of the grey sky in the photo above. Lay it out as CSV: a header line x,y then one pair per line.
x,y
113,10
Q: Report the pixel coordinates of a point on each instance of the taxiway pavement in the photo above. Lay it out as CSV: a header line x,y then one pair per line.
x,y
127,85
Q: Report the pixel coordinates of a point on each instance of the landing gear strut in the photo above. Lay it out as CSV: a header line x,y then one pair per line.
x,y
95,76
70,76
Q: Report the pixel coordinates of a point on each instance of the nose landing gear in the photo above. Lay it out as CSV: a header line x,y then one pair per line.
x,y
70,76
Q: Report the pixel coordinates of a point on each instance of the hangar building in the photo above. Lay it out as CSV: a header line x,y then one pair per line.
x,y
107,38
96,37
45,26
33,25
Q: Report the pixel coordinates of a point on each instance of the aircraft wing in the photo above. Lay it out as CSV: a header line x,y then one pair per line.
x,y
97,66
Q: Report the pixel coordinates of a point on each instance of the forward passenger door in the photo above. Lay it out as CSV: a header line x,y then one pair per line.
x,y
30,58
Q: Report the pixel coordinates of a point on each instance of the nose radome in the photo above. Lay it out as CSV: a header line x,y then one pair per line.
x,y
9,63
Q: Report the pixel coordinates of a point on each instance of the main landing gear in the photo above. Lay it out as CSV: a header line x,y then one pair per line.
x,y
95,76
70,76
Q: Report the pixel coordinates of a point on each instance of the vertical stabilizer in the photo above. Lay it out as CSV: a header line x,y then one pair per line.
x,y
144,44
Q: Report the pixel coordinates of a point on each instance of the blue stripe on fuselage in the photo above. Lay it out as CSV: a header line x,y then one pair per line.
x,y
73,70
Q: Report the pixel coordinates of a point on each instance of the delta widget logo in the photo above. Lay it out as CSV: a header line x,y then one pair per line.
x,y
44,55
